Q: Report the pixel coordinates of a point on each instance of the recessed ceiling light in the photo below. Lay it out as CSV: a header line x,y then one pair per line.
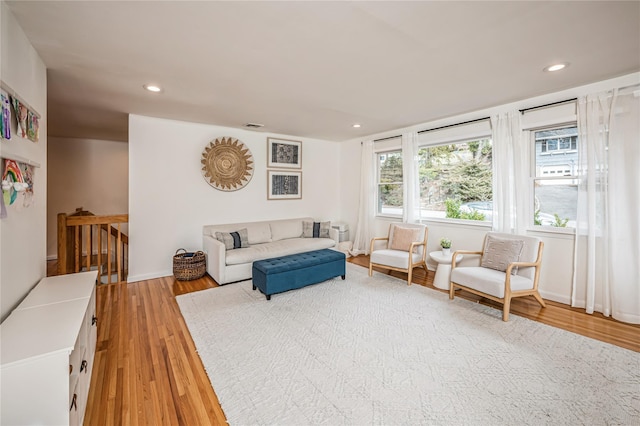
x,y
254,125
153,88
556,67
356,126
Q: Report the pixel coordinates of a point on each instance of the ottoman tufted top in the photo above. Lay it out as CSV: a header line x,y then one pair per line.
x,y
297,261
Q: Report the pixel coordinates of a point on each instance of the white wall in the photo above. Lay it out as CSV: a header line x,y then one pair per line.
x,y
88,173
557,271
170,202
23,232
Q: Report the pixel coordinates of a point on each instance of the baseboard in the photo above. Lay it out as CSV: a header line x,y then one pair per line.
x,y
149,276
560,298
52,257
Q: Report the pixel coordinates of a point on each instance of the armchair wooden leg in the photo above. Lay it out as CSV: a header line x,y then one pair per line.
x,y
505,309
539,299
410,274
452,291
370,269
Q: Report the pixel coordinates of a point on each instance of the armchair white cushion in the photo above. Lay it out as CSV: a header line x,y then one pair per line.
x,y
519,279
400,253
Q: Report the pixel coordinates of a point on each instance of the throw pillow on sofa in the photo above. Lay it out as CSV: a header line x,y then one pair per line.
x,y
315,229
234,240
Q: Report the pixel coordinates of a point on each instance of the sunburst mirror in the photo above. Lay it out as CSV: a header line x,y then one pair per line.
x,y
227,164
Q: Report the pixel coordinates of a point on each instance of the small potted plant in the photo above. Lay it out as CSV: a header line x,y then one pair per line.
x,y
445,243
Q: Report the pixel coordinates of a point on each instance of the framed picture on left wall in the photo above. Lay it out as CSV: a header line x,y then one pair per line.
x,y
284,185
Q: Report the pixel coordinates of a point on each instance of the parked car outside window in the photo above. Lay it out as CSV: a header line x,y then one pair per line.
x,y
486,208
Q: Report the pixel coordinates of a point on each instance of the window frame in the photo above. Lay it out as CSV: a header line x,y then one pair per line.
x,y
455,141
533,178
378,154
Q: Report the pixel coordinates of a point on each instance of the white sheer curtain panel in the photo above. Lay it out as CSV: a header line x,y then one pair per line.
x,y
607,246
410,181
367,208
510,173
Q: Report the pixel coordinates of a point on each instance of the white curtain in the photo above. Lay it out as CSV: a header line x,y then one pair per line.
x,y
510,171
367,208
607,250
410,181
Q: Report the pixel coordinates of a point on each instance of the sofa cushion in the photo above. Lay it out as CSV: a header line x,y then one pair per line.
x,y
315,229
276,249
283,229
259,232
499,253
234,240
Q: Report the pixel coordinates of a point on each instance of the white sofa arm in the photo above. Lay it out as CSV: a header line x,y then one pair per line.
x,y
335,235
216,258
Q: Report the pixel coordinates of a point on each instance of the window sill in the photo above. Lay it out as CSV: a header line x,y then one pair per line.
x,y
559,152
474,224
388,216
553,231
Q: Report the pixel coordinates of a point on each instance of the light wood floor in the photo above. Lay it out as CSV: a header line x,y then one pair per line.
x,y
147,371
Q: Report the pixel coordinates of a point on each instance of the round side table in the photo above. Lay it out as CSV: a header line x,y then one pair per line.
x,y
442,280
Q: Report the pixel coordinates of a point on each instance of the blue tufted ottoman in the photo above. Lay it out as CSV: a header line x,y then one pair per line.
x,y
297,270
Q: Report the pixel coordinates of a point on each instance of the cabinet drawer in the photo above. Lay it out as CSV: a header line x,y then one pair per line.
x,y
77,367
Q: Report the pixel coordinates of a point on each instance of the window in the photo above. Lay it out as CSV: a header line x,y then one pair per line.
x,y
555,178
456,180
390,183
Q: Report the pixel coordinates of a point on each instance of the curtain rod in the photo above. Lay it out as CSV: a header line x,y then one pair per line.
x,y
522,111
436,128
387,138
454,125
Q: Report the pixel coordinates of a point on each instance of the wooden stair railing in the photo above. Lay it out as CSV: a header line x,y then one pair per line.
x,y
81,234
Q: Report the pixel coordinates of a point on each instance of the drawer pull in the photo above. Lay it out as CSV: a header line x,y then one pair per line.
x,y
94,320
70,369
83,366
74,404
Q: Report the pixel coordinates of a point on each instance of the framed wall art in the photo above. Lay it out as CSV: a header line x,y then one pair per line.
x,y
284,153
284,185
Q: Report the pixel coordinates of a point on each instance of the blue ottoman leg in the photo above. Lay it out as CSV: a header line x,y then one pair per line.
x,y
268,296
344,276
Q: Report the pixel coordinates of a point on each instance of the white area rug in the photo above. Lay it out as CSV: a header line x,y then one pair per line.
x,y
376,351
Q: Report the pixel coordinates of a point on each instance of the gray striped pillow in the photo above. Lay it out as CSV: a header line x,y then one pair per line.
x,y
315,229
234,240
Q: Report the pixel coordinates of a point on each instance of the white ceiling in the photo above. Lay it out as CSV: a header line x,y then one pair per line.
x,y
312,69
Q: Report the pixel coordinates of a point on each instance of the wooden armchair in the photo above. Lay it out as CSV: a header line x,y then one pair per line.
x,y
406,249
509,267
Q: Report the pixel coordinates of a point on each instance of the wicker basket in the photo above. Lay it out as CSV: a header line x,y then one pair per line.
x,y
189,266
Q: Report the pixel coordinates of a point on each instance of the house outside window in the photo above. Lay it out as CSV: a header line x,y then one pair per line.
x,y
559,141
389,174
555,180
456,181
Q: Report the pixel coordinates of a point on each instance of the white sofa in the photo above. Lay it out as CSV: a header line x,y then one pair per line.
x,y
267,239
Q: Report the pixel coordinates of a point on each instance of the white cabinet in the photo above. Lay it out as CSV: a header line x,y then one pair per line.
x,y
47,348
